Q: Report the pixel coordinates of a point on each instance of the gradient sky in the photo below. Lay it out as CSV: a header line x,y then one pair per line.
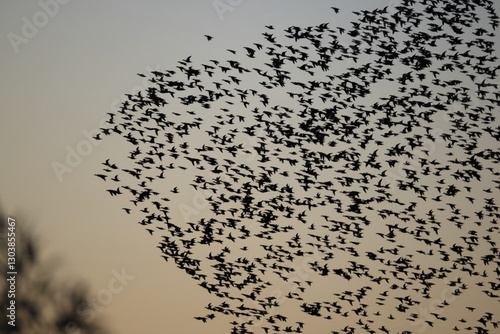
x,y
61,83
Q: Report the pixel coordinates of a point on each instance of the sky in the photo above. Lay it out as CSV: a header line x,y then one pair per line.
x,y
60,74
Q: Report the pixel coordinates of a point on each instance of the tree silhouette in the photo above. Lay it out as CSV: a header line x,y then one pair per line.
x,y
45,303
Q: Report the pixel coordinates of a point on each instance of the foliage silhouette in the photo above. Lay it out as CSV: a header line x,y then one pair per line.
x,y
45,303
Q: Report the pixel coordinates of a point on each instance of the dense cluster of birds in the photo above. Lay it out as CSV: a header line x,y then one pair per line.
x,y
340,177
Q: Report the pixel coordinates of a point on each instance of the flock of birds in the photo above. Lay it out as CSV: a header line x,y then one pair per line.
x,y
345,176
